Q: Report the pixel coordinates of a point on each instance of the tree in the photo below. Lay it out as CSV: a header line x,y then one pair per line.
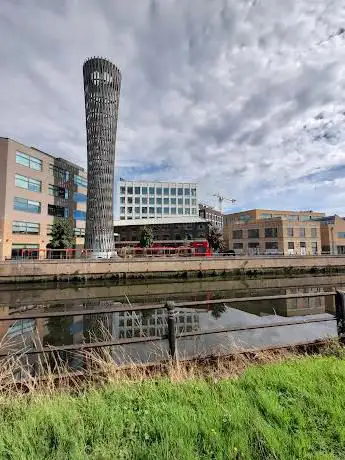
x,y
215,238
62,236
146,237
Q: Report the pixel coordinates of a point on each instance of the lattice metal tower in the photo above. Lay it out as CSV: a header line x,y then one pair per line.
x,y
102,82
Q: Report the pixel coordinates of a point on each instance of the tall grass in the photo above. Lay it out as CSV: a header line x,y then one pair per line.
x,y
287,410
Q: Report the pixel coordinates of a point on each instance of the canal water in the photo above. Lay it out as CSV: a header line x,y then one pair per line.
x,y
32,334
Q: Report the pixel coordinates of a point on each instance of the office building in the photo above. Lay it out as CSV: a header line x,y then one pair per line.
x,y
168,229
333,235
211,215
273,232
35,188
102,81
149,200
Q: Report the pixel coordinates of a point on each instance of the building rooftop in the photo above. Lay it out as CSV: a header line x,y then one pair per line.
x,y
160,221
122,180
277,211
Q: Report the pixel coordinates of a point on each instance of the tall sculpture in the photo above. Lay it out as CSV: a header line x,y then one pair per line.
x,y
102,82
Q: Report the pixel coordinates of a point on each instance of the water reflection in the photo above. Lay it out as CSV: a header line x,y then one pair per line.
x,y
34,334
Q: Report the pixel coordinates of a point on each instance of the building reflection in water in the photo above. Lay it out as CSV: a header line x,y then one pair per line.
x,y
26,335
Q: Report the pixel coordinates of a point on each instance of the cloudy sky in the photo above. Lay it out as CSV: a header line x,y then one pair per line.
x,y
244,96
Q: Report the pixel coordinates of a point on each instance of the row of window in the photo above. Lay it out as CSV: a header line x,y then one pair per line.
x,y
159,210
29,161
34,228
159,201
35,185
23,204
291,217
173,191
274,245
273,233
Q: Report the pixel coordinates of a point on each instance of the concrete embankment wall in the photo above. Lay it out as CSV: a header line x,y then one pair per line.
x,y
156,268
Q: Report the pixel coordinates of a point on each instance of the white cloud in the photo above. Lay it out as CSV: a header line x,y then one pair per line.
x,y
244,97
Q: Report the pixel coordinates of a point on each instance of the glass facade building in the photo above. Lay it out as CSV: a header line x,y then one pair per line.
x,y
145,200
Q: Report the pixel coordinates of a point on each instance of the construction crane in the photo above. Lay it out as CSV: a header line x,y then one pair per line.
x,y
222,198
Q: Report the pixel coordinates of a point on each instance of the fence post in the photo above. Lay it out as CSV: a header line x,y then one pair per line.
x,y
340,312
170,306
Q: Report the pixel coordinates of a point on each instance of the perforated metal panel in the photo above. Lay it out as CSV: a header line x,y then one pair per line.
x,y
102,82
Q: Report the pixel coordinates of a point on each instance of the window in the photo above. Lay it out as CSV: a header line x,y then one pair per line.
x,y
271,233
137,210
271,245
57,211
159,210
173,210
137,200
187,192
193,202
193,210
78,215
187,211
302,244
27,160
173,201
79,198
33,185
166,210
187,201
60,192
122,190
122,209
292,218
341,234
17,250
304,218
130,200
291,245
151,210
314,247
122,200
265,216
314,232
237,234
180,211
137,190
151,190
143,200
193,191
144,210
79,231
151,201
180,191
180,201
302,232
130,210
166,191
253,245
22,204
158,200
78,180
290,232
166,200
253,233
237,246
173,191
130,190
159,191
25,228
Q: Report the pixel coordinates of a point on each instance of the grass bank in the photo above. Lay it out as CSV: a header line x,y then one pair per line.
x,y
289,410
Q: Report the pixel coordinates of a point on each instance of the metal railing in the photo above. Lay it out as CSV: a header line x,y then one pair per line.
x,y
172,309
